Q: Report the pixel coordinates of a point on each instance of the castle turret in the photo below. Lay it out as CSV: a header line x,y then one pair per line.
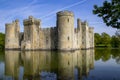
x,y
85,35
79,28
91,37
12,35
31,33
78,24
65,25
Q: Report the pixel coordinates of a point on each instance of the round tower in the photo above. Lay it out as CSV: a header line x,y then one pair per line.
x,y
12,31
9,36
65,26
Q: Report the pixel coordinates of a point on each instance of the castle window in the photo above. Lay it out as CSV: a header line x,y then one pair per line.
x,y
83,37
46,40
82,42
68,63
68,38
68,19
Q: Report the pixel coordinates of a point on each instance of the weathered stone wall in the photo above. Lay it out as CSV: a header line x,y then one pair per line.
x,y
31,33
48,38
65,25
75,38
78,35
12,35
91,37
85,36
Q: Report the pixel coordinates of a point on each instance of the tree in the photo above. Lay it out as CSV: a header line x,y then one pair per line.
x,y
118,33
2,41
115,42
97,39
109,12
105,38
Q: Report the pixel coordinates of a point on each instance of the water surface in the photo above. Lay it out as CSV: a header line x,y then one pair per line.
x,y
98,64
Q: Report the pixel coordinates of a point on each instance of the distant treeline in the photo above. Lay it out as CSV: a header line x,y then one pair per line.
x,y
2,41
105,40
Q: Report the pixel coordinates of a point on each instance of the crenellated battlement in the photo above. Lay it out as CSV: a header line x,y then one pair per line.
x,y
9,25
12,35
31,20
65,13
48,29
91,29
85,23
12,24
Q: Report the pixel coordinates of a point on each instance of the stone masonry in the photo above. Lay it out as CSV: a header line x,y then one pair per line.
x,y
62,37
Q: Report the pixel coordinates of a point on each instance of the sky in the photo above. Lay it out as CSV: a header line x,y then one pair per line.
x,y
46,10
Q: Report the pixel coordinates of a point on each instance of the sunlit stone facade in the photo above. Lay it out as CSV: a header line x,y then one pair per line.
x,y
65,36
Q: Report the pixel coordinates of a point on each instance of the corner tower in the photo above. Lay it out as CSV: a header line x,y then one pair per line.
x,y
91,37
31,33
65,26
12,31
85,35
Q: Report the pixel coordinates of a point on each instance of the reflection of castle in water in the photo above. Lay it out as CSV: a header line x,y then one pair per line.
x,y
66,65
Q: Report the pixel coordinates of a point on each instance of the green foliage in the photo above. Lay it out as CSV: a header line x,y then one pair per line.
x,y
109,12
2,41
118,33
102,40
97,38
105,39
115,42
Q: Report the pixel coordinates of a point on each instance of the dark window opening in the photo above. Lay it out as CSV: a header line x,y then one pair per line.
x,y
68,63
68,19
46,41
82,42
68,37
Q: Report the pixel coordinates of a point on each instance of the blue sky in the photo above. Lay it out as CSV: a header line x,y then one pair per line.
x,y
46,11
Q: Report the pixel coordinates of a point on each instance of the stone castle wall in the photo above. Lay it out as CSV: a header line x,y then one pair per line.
x,y
65,25
62,37
48,38
12,35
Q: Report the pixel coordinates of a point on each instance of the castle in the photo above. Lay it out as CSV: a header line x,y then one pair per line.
x,y
62,37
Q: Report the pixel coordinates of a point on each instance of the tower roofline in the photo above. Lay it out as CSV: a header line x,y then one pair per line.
x,y
65,13
31,20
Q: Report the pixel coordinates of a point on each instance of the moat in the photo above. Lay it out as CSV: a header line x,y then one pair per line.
x,y
98,64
